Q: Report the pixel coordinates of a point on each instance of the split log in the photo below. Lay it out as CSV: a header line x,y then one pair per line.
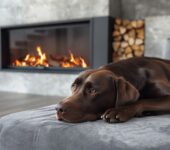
x,y
118,21
123,57
134,24
116,46
126,37
122,30
142,47
124,44
129,27
117,38
120,52
125,22
138,41
128,50
116,33
116,27
140,33
130,55
132,33
131,41
135,47
138,53
139,23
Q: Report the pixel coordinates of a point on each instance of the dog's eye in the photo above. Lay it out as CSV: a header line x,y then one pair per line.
x,y
74,86
91,91
76,83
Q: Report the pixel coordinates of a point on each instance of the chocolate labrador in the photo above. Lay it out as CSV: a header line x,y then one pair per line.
x,y
118,91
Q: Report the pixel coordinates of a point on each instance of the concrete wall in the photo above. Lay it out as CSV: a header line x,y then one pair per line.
x,y
139,9
114,8
37,83
29,11
157,37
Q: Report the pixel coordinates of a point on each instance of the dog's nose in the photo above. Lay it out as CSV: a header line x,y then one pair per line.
x,y
59,109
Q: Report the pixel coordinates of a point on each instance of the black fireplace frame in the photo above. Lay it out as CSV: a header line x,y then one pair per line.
x,y
100,43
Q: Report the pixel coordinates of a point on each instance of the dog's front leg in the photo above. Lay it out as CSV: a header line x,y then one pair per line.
x,y
124,113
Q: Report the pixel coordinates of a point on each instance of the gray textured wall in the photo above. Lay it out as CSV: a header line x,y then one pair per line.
x,y
114,8
28,11
157,37
139,9
37,83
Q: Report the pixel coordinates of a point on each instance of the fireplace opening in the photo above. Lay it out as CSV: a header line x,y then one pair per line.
x,y
54,47
58,46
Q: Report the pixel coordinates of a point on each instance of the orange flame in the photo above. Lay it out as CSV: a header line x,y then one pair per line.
x,y
84,65
74,61
29,60
41,60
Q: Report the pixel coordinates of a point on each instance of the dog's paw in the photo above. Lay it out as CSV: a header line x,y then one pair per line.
x,y
115,115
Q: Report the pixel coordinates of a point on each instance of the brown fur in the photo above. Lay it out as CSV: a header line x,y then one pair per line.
x,y
119,91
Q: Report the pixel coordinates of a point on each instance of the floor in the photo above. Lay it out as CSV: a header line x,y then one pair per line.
x,y
15,102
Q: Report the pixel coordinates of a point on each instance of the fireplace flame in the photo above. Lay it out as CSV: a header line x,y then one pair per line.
x,y
35,61
41,60
84,65
74,61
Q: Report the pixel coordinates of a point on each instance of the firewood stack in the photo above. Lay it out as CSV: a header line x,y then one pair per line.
x,y
128,39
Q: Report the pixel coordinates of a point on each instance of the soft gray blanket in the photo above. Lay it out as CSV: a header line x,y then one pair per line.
x,y
39,130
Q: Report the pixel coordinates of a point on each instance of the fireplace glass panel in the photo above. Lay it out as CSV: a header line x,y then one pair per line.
x,y
66,46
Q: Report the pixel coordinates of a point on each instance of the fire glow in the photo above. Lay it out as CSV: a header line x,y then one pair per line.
x,y
73,61
41,60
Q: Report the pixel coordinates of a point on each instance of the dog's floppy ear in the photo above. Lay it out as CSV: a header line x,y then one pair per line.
x,y
125,92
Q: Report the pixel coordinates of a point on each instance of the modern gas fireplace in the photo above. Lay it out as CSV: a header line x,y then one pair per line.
x,y
58,46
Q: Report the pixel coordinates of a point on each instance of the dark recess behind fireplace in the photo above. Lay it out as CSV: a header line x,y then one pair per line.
x,y
100,52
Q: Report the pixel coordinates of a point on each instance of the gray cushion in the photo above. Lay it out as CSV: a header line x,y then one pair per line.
x,y
39,130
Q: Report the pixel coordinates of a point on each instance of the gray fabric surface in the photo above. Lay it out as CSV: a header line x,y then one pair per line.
x,y
39,130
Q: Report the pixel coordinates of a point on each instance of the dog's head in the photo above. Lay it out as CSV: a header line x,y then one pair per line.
x,y
93,92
